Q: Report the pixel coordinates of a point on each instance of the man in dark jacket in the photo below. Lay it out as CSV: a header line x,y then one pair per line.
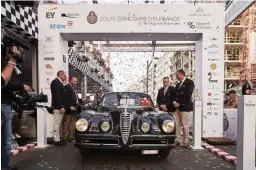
x,y
166,96
59,104
6,116
183,104
68,122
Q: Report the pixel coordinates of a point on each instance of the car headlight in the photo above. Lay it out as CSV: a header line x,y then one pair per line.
x,y
105,126
81,125
168,126
145,127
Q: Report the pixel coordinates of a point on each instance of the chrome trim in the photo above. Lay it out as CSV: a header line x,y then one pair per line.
x,y
150,139
118,142
125,126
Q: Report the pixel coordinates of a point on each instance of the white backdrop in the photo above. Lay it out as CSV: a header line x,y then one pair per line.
x,y
207,19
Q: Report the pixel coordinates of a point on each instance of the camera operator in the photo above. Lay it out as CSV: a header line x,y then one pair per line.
x,y
6,109
8,69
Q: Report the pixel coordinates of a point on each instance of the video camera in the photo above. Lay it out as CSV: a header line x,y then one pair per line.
x,y
7,42
28,101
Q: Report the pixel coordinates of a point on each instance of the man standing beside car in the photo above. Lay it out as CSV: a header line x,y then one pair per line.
x,y
68,122
166,96
183,104
59,104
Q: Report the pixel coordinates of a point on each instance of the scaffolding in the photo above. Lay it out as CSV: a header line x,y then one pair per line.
x,y
249,26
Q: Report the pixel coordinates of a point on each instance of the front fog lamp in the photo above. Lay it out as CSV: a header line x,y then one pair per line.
x,y
168,126
105,126
81,125
145,127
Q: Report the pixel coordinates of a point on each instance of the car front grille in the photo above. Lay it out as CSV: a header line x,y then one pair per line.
x,y
125,126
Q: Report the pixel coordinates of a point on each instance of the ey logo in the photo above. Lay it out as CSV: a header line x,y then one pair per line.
x,y
50,14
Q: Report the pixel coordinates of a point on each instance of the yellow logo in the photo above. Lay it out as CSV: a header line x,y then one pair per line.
x,y
213,66
51,9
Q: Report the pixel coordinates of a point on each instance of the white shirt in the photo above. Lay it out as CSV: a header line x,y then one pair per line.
x,y
182,81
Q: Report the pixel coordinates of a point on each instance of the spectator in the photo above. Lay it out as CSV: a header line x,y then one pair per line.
x,y
183,104
68,122
59,104
233,99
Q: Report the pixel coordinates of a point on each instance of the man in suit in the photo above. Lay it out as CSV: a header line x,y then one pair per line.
x,y
183,104
59,104
166,96
68,122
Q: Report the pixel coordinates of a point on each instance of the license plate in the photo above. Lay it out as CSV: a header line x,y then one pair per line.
x,y
129,102
149,152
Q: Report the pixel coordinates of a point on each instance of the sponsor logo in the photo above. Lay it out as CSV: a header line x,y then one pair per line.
x,y
48,38
57,26
213,46
212,73
209,113
48,81
49,53
250,104
70,15
213,39
50,15
199,12
213,66
209,104
213,59
51,9
49,74
64,59
211,80
49,58
213,52
48,66
70,23
199,25
92,18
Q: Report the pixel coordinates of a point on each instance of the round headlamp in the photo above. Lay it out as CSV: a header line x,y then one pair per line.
x,y
105,126
145,127
81,125
168,126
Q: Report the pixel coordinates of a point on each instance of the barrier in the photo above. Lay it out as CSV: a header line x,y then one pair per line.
x,y
246,133
197,127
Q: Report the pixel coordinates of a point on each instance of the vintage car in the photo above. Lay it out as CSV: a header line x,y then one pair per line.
x,y
125,120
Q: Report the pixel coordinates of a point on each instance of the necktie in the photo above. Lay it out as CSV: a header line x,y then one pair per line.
x,y
165,91
75,94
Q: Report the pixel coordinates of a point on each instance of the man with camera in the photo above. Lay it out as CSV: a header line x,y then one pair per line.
x,y
6,106
59,104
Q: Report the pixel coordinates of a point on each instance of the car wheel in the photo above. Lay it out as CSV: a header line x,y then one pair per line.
x,y
164,153
84,153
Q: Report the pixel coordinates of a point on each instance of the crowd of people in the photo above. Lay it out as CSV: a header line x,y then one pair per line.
x,y
178,102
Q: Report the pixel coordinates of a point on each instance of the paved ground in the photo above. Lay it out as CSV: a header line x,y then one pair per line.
x,y
231,149
68,158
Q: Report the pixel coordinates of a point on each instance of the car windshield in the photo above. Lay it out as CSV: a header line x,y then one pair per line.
x,y
135,99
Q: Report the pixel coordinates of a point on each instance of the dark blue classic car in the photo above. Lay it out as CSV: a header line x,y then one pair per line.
x,y
126,120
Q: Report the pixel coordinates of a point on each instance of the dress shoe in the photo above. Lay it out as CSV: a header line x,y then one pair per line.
x,y
60,143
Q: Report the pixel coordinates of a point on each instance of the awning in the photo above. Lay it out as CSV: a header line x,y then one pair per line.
x,y
20,20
